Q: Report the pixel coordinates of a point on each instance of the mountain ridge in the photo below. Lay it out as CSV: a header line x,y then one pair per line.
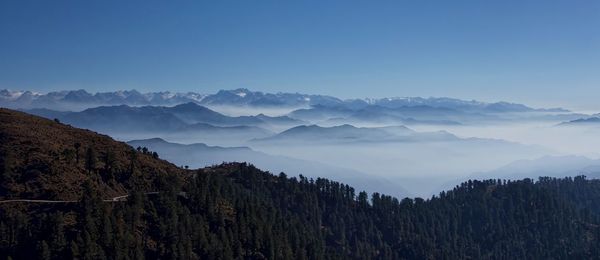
x,y
62,100
595,120
349,133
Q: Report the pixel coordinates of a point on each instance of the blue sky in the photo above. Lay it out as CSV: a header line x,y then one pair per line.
x,y
536,52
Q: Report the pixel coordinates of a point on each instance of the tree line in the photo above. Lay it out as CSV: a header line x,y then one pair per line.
x,y
235,211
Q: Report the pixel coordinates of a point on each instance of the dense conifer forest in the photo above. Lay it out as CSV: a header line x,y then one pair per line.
x,y
236,211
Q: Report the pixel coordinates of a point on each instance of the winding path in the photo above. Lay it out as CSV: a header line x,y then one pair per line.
x,y
113,199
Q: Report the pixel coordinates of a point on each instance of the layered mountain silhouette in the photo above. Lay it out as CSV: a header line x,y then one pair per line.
x,y
589,121
199,155
185,117
351,134
81,99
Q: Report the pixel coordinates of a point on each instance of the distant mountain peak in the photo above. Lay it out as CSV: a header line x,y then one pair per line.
x,y
59,100
154,140
189,105
590,121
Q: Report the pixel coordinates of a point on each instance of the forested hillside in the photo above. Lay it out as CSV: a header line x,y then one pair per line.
x,y
46,159
235,211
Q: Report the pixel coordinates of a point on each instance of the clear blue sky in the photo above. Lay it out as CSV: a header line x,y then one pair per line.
x,y
536,52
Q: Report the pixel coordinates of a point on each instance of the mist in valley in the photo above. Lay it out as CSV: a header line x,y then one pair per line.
x,y
394,146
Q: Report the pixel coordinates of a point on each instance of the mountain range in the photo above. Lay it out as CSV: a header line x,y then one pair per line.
x,y
183,117
193,119
81,99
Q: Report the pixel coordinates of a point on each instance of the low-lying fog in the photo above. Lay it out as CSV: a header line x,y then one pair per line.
x,y
377,153
252,111
423,168
577,140
419,167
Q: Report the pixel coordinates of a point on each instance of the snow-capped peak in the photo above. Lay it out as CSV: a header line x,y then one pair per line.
x,y
11,95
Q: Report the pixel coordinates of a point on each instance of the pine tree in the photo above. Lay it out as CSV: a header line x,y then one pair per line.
x,y
43,250
90,159
77,147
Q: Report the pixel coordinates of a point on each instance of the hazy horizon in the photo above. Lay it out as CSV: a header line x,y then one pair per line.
x,y
576,109
540,53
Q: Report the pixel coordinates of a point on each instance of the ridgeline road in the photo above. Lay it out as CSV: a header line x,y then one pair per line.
x,y
114,199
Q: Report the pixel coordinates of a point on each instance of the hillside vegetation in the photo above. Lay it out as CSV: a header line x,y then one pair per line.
x,y
236,211
44,159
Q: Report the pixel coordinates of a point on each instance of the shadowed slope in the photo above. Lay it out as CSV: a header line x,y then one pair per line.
x,y
41,158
